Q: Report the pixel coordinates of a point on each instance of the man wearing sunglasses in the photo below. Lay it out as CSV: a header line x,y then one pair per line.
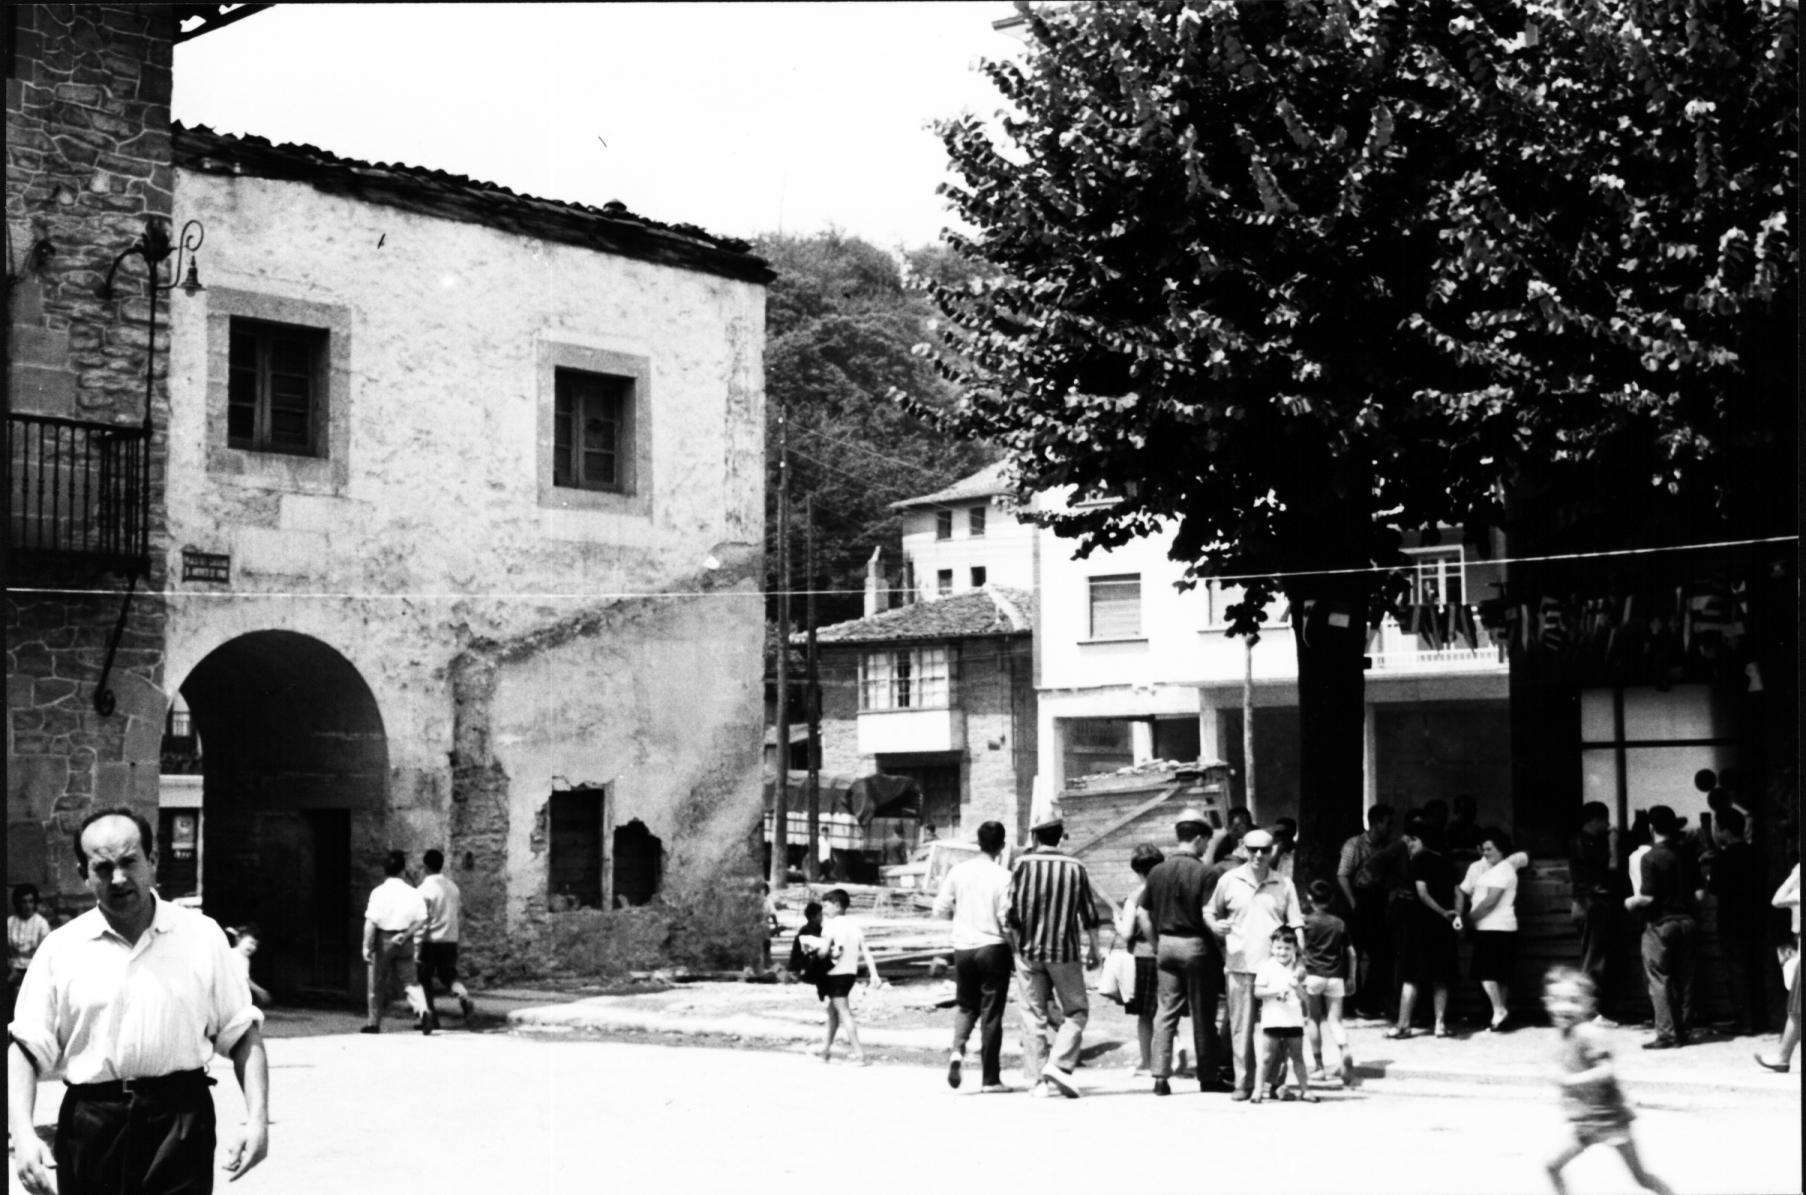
x,y
1249,903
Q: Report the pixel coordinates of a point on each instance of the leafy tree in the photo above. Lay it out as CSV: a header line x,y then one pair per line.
x,y
841,327
1292,278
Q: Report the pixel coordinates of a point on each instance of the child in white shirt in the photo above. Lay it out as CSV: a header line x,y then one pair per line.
x,y
841,944
1279,985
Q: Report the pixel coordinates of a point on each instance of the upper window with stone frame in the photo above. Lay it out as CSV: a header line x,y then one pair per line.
x,y
592,431
275,387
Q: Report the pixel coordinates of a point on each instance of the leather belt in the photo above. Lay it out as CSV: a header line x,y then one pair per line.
x,y
151,1085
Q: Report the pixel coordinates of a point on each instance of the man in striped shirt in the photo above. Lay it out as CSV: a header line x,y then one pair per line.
x,y
1050,901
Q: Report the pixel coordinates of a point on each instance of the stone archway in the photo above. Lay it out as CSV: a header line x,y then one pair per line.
x,y
294,766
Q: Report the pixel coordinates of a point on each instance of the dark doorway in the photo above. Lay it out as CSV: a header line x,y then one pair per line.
x,y
575,865
639,857
294,788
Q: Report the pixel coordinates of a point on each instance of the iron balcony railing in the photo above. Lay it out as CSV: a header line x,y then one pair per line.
x,y
79,489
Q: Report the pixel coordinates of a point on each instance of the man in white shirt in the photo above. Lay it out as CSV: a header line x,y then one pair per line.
x,y
976,897
127,1003
393,922
1248,905
439,941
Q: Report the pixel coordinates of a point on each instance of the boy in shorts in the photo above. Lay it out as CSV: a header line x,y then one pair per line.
x,y
1329,971
1589,1088
840,945
1279,985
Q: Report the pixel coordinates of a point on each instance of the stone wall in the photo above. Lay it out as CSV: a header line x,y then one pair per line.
x,y
88,161
513,637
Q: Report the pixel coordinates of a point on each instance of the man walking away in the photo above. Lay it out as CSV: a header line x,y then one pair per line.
x,y
1736,880
1367,897
1187,955
439,941
976,897
1050,901
127,1003
1597,903
393,922
1670,893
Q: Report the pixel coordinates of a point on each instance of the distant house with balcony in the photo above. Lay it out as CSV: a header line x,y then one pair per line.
x,y
959,538
1130,670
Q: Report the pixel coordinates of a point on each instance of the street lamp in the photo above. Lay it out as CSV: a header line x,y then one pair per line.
x,y
154,246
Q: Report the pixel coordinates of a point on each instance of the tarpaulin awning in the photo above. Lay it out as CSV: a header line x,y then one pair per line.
x,y
864,797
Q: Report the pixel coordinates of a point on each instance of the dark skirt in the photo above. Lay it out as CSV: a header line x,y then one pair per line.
x,y
1496,955
1147,988
1431,950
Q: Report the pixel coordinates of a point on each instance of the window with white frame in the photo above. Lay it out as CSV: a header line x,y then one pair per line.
x,y
1437,577
943,582
1116,606
906,679
943,524
975,522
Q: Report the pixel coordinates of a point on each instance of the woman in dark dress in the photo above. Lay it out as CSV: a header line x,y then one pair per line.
x,y
1430,946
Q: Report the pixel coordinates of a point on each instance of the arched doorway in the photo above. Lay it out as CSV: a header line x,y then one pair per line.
x,y
294,766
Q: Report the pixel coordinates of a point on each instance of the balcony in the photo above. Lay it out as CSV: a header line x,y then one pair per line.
x,y
1397,650
907,731
79,491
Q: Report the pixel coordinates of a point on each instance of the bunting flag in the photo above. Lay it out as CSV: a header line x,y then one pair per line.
x,y
1552,625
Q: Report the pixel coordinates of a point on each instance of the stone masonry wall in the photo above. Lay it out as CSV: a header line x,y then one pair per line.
x,y
88,161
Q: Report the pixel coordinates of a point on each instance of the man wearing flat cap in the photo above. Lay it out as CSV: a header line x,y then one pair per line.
x,y
1669,894
1050,901
1248,905
1189,960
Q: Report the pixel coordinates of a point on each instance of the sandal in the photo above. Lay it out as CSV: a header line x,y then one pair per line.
x,y
1397,1034
1310,1097
1442,1031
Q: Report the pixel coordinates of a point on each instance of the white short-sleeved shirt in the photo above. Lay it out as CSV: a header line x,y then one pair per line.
x,y
95,1007
841,938
395,905
443,903
1280,1007
1502,876
976,895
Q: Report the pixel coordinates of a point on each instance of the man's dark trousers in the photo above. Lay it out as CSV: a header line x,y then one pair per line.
x,y
136,1144
981,986
1599,922
1191,977
1668,964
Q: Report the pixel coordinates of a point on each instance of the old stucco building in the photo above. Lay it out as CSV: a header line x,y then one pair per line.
x,y
457,547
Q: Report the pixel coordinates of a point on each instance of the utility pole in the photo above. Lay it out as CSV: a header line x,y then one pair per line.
x,y
780,809
812,685
1248,724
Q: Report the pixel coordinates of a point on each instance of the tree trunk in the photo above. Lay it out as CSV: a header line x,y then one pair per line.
x,y
1331,638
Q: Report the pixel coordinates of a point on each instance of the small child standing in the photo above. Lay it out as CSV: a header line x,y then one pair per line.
x,y
1589,1088
1279,985
1329,971
841,944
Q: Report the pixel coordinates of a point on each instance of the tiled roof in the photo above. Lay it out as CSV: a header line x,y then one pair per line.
x,y
991,611
985,483
608,229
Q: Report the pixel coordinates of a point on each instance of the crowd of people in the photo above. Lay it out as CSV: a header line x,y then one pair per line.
x,y
1217,919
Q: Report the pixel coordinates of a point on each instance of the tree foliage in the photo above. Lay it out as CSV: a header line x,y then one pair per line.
x,y
1296,276
841,329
